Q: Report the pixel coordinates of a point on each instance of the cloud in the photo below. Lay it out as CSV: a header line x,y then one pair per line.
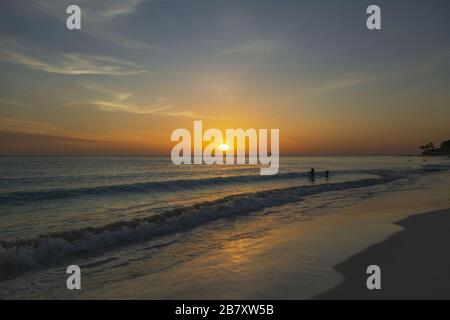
x,y
115,94
190,114
72,63
37,127
94,10
19,143
117,101
159,108
9,124
339,84
43,128
259,47
130,108
16,103
99,17
118,8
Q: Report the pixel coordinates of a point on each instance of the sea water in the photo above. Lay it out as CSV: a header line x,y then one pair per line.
x,y
116,211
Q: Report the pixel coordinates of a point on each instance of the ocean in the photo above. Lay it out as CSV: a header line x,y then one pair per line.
x,y
114,215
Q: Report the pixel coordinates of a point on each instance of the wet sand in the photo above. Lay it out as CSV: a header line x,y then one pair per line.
x,y
415,263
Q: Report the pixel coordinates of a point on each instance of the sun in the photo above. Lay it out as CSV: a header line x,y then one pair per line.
x,y
224,147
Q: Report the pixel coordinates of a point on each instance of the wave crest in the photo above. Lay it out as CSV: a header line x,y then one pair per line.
x,y
25,253
142,187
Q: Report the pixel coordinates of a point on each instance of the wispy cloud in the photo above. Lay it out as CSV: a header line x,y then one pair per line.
x,y
98,17
16,103
34,127
130,108
115,94
162,107
43,128
116,8
93,9
259,47
71,63
345,82
190,114
118,101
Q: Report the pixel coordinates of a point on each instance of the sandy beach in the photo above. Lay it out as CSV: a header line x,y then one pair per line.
x,y
414,263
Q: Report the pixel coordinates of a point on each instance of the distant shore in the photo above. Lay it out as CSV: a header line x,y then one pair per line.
x,y
415,263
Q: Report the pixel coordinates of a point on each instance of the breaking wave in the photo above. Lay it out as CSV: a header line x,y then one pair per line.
x,y
45,249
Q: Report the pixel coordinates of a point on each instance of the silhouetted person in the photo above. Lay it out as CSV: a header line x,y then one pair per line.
x,y
312,175
327,174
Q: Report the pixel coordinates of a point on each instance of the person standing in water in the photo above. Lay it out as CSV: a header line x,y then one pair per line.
x,y
327,174
312,175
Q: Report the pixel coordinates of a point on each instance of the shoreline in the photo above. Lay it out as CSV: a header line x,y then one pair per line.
x,y
414,263
285,252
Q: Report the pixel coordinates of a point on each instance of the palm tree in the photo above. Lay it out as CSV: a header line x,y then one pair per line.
x,y
427,146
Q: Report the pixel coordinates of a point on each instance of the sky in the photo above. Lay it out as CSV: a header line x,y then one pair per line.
x,y
139,69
